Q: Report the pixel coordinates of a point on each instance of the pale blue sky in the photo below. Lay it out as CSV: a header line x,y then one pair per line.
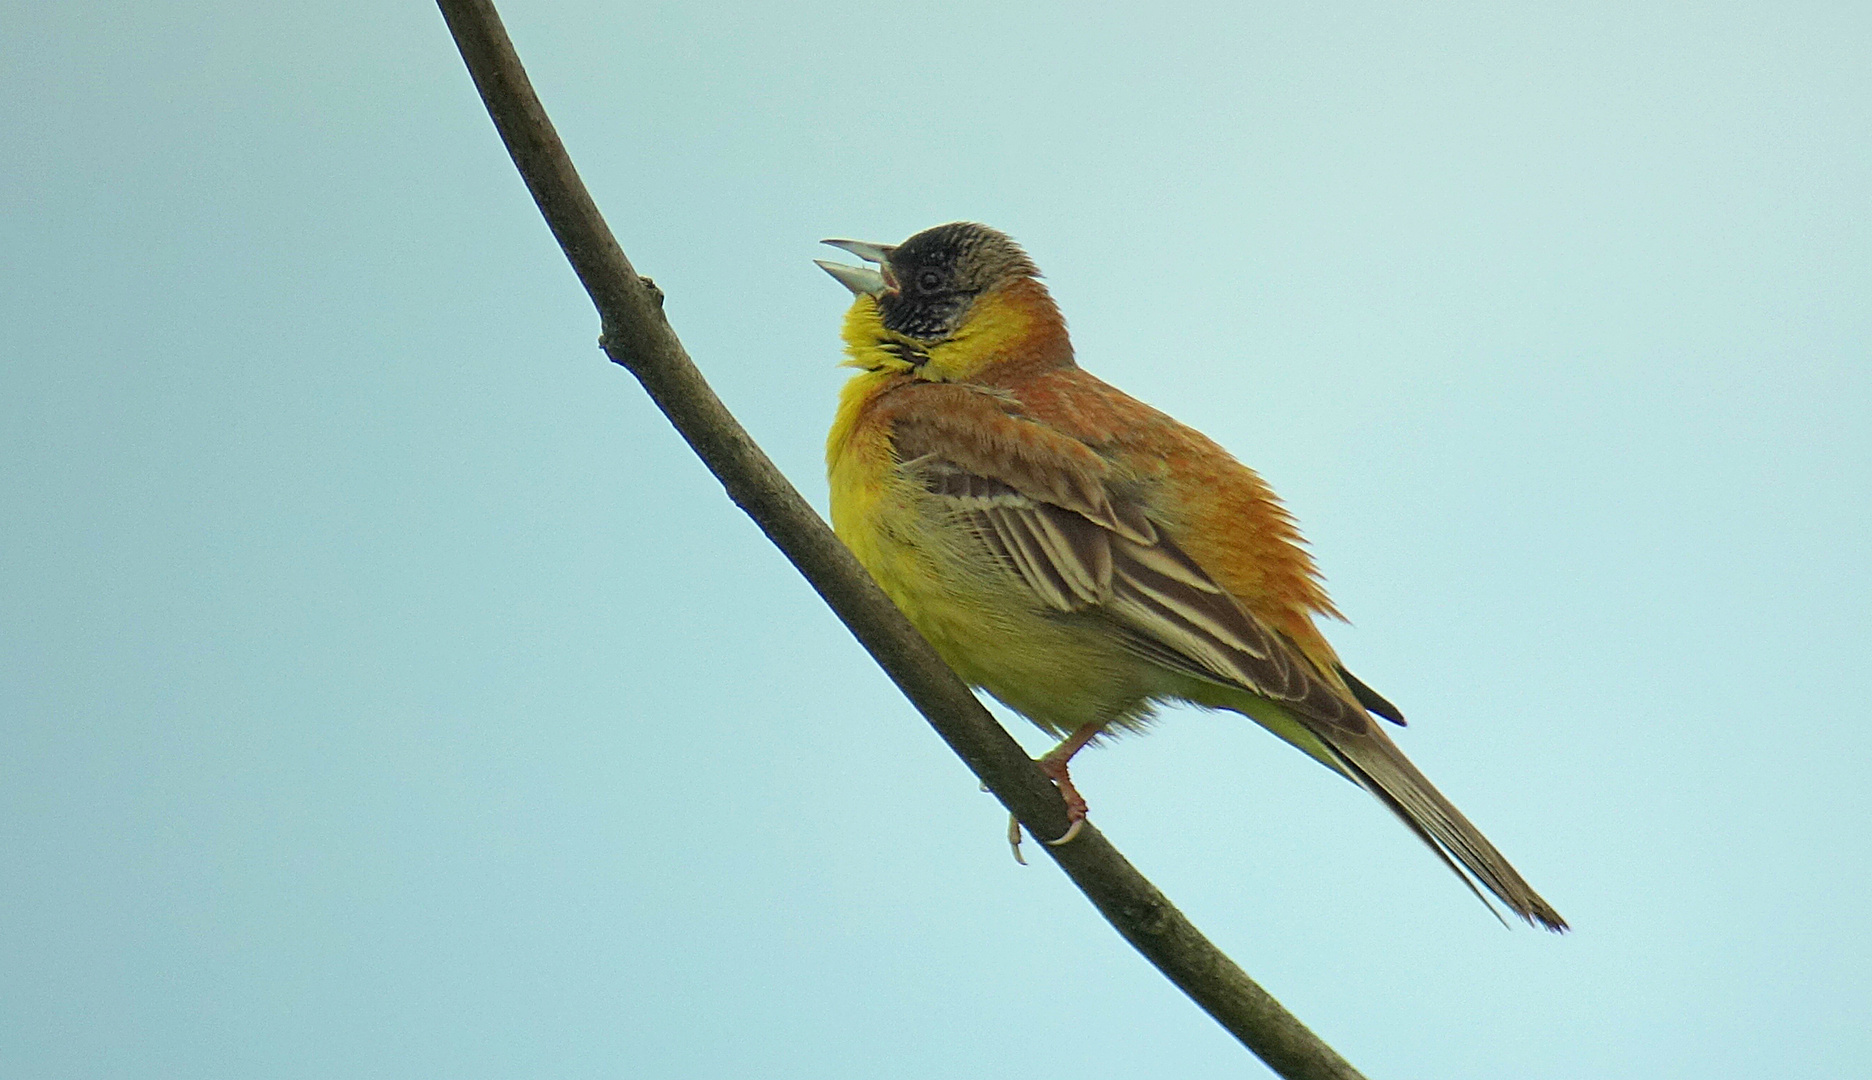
x,y
386,692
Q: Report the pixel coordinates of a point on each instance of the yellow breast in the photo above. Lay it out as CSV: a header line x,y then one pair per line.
x,y
874,507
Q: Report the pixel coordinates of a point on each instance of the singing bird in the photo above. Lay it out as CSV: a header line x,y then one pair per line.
x,y
1080,555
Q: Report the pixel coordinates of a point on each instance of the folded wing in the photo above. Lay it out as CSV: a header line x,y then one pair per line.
x,y
1100,554
1163,605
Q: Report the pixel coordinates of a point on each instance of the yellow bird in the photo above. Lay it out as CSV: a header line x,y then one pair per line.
x,y
1078,554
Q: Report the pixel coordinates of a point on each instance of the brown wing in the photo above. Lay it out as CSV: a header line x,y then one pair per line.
x,y
1162,605
1056,512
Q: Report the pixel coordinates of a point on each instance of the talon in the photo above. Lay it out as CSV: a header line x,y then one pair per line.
x,y
1014,838
1072,830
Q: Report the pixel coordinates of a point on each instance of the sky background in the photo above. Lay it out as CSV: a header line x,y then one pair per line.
x,y
386,692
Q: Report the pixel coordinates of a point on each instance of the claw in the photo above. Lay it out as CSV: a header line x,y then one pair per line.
x,y
1014,838
1072,830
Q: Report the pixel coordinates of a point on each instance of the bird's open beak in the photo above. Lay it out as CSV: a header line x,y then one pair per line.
x,y
861,280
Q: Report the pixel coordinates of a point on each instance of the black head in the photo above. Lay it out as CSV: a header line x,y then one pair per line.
x,y
931,279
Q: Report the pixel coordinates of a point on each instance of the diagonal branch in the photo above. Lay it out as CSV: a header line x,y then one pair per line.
x,y
637,336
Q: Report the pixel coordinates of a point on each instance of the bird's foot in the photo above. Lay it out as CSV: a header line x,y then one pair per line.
x,y
1055,770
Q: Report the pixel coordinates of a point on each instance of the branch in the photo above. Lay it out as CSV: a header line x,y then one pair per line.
x,y
636,335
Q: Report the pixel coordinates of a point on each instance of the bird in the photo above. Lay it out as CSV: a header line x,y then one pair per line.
x,y
1081,556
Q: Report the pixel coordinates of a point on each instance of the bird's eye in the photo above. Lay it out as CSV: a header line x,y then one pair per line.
x,y
929,280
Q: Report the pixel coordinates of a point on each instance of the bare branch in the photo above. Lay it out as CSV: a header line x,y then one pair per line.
x,y
637,336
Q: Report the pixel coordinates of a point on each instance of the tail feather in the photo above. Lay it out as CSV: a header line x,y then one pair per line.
x,y
1375,763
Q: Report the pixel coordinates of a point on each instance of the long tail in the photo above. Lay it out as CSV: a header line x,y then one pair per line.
x,y
1375,763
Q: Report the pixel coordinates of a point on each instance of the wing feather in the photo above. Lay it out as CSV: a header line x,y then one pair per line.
x,y
1039,567
1166,608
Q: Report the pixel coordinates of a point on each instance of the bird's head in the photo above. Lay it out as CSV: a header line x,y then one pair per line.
x,y
950,303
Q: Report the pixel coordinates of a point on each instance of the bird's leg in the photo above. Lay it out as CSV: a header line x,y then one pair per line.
x,y
1054,764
